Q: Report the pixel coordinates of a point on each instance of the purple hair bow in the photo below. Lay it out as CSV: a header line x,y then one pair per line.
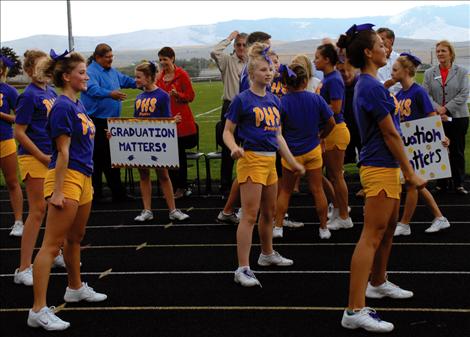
x,y
414,59
359,28
285,69
7,61
264,53
153,65
56,57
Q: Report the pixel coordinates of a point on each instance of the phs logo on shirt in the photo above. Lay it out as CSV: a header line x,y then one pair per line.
x,y
48,102
88,127
146,106
405,108
270,116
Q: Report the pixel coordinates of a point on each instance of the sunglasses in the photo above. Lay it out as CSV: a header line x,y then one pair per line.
x,y
240,44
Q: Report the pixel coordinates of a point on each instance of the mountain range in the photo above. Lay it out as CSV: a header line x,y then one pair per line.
x,y
427,22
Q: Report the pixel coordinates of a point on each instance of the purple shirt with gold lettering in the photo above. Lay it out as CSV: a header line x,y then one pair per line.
x,y
154,104
70,118
8,97
414,103
32,109
257,118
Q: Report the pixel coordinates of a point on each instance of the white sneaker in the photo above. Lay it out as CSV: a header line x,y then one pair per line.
x,y
291,223
176,214
59,261
85,293
145,215
278,232
24,277
239,213
438,224
324,233
402,229
339,223
17,229
367,319
231,218
330,210
333,212
387,289
46,319
245,277
274,259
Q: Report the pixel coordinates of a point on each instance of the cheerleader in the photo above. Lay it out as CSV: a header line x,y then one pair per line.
x,y
382,155
34,154
256,113
414,104
154,103
8,158
302,113
333,92
67,188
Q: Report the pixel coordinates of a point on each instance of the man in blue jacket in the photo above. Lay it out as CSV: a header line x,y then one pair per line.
x,y
102,100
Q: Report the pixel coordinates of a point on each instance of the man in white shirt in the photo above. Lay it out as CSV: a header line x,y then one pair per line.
x,y
385,73
230,66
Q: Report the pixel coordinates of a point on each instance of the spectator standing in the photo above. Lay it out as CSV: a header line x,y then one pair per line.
x,y
447,84
103,100
176,82
230,66
385,73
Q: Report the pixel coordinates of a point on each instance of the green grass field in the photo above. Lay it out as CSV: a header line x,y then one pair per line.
x,y
206,110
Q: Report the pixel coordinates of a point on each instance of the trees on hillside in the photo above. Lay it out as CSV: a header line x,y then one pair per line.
x,y
192,66
10,53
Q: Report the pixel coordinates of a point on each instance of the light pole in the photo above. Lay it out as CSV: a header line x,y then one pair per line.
x,y
69,21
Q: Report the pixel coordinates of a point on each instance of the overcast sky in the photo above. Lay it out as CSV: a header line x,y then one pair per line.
x,y
21,19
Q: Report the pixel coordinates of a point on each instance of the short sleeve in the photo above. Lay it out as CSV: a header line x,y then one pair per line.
x,y
336,89
165,105
380,103
424,102
60,121
12,97
24,109
234,110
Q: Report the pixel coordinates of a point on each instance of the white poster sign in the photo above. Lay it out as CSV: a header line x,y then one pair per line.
x,y
423,144
143,142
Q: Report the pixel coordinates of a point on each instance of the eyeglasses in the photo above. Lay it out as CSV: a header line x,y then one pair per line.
x,y
240,44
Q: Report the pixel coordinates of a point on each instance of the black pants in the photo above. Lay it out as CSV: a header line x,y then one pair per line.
x,y
456,131
179,177
102,163
226,166
350,155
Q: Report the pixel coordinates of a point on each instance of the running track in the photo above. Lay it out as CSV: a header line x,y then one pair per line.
x,y
177,279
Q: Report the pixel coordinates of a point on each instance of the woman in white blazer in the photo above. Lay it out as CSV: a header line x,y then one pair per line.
x,y
447,85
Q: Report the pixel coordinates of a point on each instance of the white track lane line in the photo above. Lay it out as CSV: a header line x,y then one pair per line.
x,y
134,226
207,112
224,245
96,211
240,308
275,272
